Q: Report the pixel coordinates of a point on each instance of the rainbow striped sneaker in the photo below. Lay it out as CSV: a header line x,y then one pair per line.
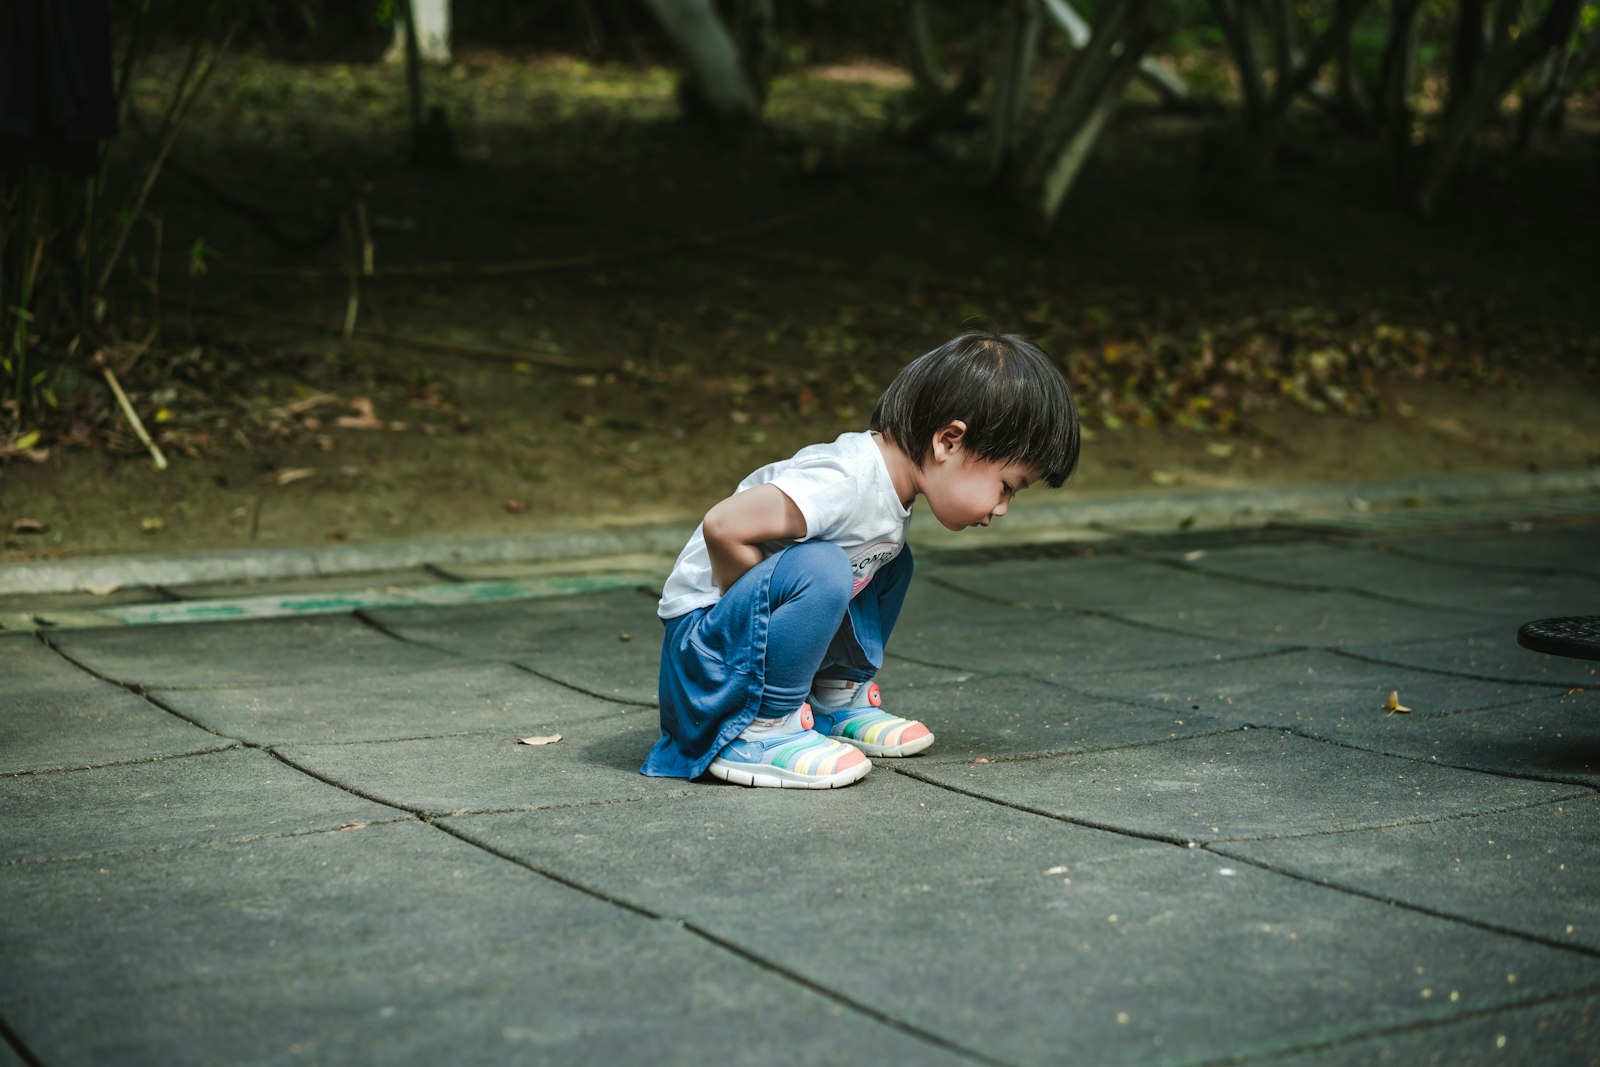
x,y
790,758
865,725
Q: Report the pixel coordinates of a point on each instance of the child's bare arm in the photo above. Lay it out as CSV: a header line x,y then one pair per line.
x,y
735,529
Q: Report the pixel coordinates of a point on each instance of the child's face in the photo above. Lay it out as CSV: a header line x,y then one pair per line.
x,y
963,490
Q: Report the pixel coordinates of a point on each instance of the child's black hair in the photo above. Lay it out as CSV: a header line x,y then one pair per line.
x,y
1013,398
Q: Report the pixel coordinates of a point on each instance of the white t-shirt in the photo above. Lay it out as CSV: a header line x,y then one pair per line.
x,y
847,497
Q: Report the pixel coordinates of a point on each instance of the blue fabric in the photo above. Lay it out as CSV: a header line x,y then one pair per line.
x,y
786,621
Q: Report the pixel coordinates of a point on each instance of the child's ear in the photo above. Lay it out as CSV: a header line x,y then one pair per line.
x,y
947,440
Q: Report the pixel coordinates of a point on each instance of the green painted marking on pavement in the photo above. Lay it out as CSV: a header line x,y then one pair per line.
x,y
272,605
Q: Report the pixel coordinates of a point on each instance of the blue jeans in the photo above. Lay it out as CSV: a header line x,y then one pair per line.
x,y
787,621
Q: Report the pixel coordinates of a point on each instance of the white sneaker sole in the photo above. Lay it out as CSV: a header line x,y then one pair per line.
x,y
908,748
764,774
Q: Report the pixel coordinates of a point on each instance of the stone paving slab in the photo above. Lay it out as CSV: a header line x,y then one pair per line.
x,y
594,762
1323,620
1001,716
1314,691
248,653
608,644
1249,784
1049,645
1493,653
54,715
1555,739
1029,938
1571,549
1359,567
390,944
1561,1032
1186,600
1102,582
1502,870
166,803
459,698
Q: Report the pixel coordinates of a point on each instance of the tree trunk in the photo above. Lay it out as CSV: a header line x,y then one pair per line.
x,y
944,105
1264,131
432,24
1019,41
926,68
1466,53
708,50
1559,67
1167,83
754,30
1507,59
1234,18
1394,89
1087,94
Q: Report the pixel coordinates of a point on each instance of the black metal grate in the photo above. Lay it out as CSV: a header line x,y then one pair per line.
x,y
1576,636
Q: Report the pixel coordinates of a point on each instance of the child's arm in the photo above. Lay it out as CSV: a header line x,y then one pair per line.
x,y
735,529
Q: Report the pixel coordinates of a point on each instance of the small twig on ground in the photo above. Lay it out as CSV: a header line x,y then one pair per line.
x,y
626,462
300,407
368,253
544,263
131,415
352,304
426,344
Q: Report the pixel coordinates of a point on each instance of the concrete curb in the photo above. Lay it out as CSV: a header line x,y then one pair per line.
x,y
1242,508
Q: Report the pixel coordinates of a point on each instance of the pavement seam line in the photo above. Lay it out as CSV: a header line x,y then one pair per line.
x,y
732,948
1415,1026
462,813
1120,831
1301,587
153,850
1326,883
134,688
608,698
1362,657
9,1037
1545,572
130,762
291,764
1027,757
363,617
1583,792
1277,650
1515,777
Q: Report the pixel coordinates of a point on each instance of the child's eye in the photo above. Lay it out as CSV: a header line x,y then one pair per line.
x,y
1008,488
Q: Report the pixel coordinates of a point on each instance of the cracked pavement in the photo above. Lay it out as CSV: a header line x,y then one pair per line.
x,y
1168,820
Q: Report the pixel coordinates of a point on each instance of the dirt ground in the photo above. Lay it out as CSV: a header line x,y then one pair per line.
x,y
604,316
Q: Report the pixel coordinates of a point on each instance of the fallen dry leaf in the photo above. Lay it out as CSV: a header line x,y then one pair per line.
x,y
27,526
545,739
1574,691
1393,705
360,422
624,637
352,826
101,590
517,507
289,475
153,524
981,759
